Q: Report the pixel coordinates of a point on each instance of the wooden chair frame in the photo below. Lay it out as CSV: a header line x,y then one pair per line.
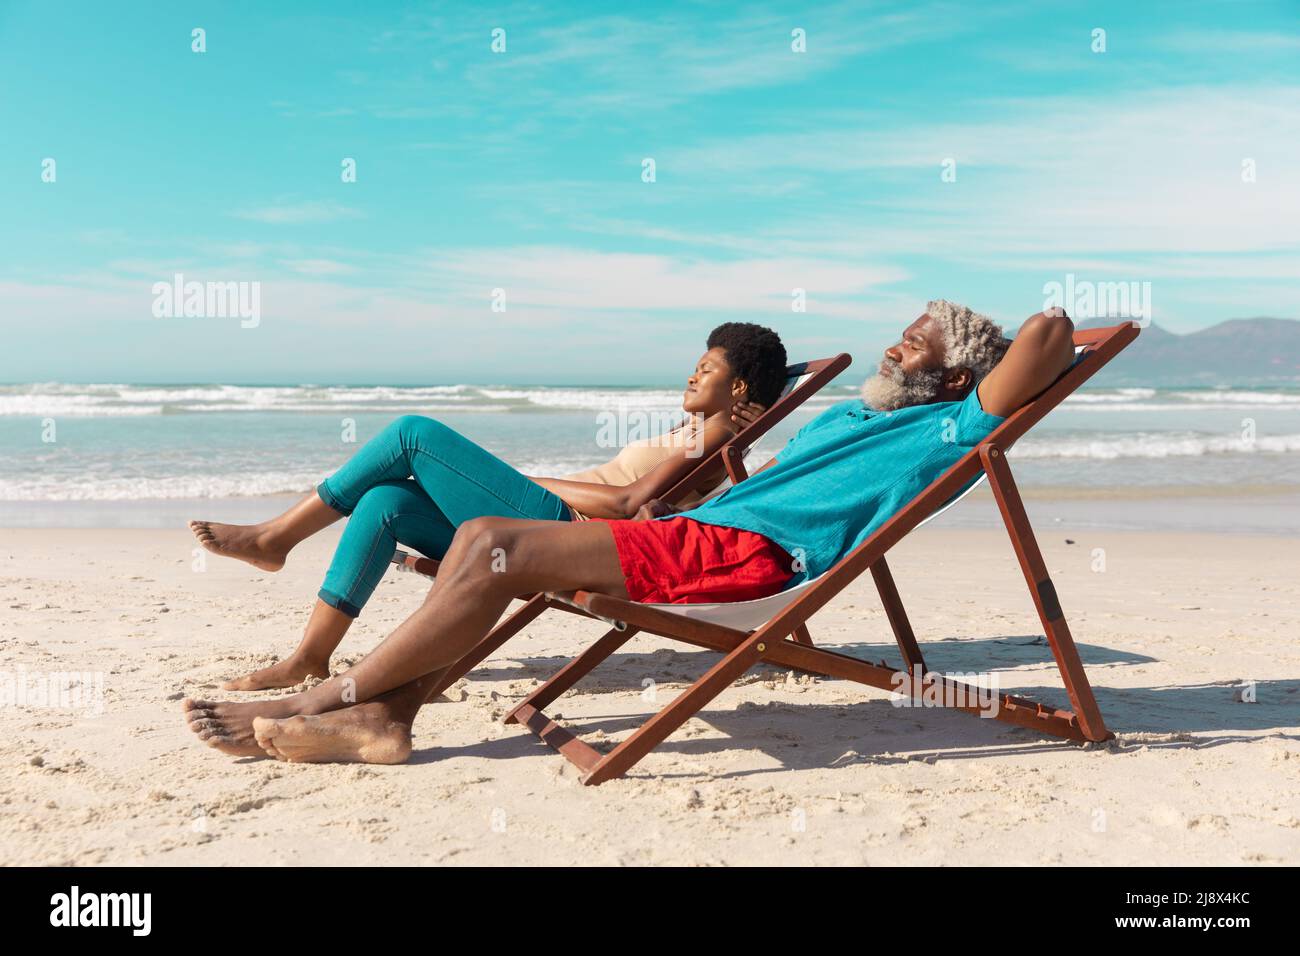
x,y
784,640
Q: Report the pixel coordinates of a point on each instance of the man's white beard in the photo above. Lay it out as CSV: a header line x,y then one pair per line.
x,y
895,389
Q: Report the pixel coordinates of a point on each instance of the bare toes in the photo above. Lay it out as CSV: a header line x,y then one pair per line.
x,y
195,709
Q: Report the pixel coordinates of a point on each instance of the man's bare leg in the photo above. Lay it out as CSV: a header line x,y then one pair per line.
x,y
267,544
325,629
393,680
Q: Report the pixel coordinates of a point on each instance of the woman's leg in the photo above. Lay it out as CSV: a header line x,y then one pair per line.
x,y
388,514
455,481
462,479
325,628
267,544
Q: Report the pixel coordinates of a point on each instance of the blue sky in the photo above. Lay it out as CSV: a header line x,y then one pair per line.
x,y
522,171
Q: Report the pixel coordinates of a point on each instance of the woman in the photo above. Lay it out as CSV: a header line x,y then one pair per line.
x,y
418,480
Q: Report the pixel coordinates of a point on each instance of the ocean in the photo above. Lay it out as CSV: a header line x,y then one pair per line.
x,y
132,454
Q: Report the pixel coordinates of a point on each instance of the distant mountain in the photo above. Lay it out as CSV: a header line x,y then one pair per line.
x,y
1238,352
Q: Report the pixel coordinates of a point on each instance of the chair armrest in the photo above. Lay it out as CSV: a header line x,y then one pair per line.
x,y
733,458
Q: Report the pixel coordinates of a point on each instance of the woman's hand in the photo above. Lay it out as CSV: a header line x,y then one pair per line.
x,y
746,413
654,508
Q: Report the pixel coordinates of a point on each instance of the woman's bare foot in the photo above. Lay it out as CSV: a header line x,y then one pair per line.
x,y
286,673
229,727
254,543
363,733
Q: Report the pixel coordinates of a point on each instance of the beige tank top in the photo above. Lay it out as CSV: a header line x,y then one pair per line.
x,y
638,458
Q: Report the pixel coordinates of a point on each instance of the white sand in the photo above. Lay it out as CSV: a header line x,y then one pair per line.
x,y
776,771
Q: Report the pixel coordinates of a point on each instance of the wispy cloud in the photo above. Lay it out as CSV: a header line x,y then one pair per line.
x,y
585,281
1151,170
653,60
297,213
318,267
1249,42
656,63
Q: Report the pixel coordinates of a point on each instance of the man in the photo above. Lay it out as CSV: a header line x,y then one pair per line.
x,y
941,390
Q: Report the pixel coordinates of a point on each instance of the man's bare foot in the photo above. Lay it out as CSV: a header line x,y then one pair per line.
x,y
363,733
229,727
253,543
287,673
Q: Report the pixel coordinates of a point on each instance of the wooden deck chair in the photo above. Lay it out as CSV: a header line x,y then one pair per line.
x,y
803,381
774,630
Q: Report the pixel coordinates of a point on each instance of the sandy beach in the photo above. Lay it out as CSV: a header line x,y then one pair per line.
x,y
782,769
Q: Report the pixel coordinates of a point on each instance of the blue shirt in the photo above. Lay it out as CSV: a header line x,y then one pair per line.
x,y
846,473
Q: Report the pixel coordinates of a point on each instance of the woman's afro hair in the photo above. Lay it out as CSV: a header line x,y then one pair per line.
x,y
756,356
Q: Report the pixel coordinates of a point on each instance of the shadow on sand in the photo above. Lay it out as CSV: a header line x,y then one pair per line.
x,y
801,735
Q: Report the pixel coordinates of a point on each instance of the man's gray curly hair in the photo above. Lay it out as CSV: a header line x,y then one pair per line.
x,y
970,340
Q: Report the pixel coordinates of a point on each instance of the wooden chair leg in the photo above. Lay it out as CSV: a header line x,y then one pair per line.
x,y
1044,593
720,676
801,636
913,662
496,637
574,671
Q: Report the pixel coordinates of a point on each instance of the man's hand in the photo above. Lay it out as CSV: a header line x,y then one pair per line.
x,y
654,508
746,413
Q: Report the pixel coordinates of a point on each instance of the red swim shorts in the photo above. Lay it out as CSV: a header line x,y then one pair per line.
x,y
681,561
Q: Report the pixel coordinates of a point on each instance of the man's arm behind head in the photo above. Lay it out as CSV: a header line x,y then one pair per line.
x,y
1040,352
